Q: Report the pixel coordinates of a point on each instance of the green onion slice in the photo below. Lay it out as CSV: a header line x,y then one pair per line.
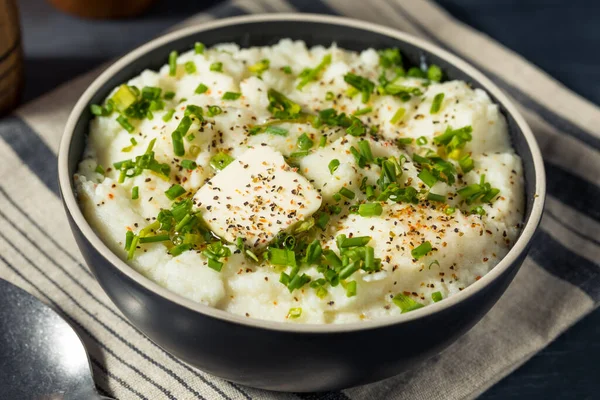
x,y
231,96
405,303
202,88
221,160
174,192
333,165
421,250
436,104
173,63
370,210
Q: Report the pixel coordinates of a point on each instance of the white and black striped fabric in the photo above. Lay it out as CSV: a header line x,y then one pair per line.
x,y
558,284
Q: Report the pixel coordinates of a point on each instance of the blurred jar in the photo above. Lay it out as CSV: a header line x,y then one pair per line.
x,y
11,56
103,9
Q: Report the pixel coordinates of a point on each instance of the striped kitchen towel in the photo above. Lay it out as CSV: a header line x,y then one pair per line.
x,y
558,284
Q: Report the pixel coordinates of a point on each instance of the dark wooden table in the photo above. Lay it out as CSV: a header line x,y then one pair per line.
x,y
561,37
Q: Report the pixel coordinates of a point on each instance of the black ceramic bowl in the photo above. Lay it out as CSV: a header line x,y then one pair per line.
x,y
279,356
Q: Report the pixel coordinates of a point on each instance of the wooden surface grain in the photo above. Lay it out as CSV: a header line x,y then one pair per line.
x,y
11,60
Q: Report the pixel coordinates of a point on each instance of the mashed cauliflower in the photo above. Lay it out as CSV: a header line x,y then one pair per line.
x,y
303,185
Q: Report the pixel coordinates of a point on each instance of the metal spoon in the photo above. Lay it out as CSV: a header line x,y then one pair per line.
x,y
41,356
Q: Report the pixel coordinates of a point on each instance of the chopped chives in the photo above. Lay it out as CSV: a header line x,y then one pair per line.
x,y
421,250
304,142
449,210
231,96
213,110
436,197
217,67
405,303
370,192
335,209
128,239
185,221
177,250
356,128
329,96
436,104
404,141
195,111
127,149
202,88
124,122
124,97
436,296
478,210
294,313
370,210
169,95
178,146
199,48
363,85
369,258
466,163
260,67
220,160
132,246
299,154
287,69
253,256
398,115
483,191
99,169
358,157
363,111
365,149
323,141
427,177
97,110
190,67
337,196
322,220
434,73
135,193
215,264
351,289
155,238
190,137
173,63
349,269
313,252
312,74
168,115
174,192
194,150
189,164
332,259
298,281
416,73
276,130
156,105
422,141
333,165
282,257
347,193
354,241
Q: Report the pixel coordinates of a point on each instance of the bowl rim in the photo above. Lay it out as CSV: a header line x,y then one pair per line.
x,y
70,201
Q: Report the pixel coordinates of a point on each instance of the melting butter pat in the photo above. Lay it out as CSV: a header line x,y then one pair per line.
x,y
256,197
